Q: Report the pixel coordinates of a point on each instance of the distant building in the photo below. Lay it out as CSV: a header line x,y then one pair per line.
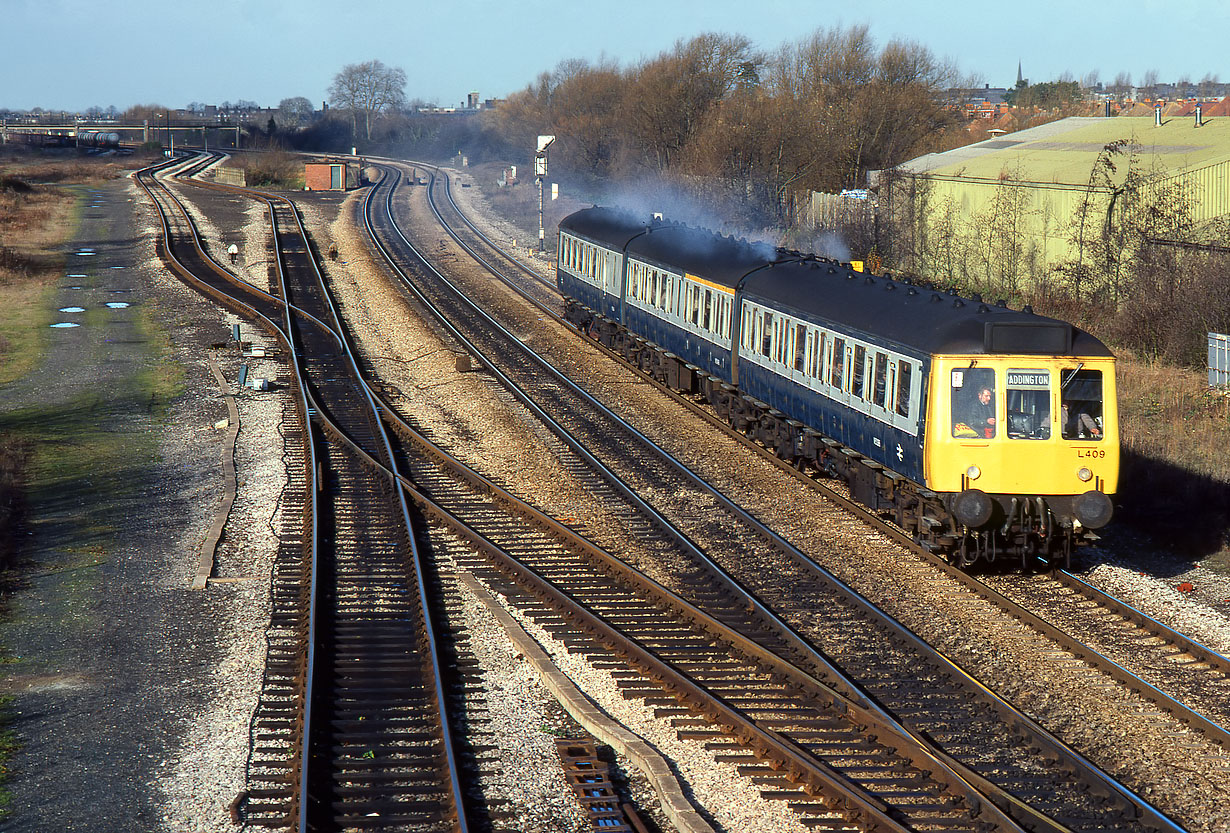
x,y
1049,169
330,175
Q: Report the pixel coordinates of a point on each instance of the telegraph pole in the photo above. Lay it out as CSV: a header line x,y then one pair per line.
x,y
540,173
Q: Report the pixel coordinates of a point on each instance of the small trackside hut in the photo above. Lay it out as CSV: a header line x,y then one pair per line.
x,y
330,175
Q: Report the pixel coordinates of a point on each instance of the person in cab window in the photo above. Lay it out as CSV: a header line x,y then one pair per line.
x,y
982,413
1082,426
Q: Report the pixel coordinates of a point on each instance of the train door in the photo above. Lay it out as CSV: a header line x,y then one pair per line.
x,y
880,386
840,357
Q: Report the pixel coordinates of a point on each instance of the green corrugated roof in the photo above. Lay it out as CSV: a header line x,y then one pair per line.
x,y
1064,151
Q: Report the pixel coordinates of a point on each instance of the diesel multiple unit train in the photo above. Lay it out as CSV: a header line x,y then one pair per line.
x,y
987,433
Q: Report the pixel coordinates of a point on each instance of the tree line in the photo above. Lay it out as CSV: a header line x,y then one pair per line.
x,y
817,114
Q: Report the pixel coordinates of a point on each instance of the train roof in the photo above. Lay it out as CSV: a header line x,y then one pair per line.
x,y
925,319
717,259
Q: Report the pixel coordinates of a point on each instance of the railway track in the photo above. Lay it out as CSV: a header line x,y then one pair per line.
x,y
1178,674
353,726
925,716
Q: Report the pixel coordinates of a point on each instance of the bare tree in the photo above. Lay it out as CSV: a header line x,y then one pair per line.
x,y
584,108
1148,85
368,89
670,95
294,112
1091,79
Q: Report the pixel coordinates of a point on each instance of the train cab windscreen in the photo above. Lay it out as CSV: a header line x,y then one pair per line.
x,y
974,413
1029,404
1081,410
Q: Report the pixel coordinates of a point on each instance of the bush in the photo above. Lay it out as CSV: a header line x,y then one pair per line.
x,y
274,169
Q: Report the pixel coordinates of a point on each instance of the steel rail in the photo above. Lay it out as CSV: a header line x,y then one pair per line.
x,y
315,409
284,335
1162,631
445,718
800,763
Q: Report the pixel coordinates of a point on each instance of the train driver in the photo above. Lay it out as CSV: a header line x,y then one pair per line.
x,y
982,413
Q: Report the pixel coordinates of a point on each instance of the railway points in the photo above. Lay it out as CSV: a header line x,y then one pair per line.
x,y
474,405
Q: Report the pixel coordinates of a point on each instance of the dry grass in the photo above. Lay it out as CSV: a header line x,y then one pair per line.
x,y
276,169
37,216
1175,480
1171,413
32,223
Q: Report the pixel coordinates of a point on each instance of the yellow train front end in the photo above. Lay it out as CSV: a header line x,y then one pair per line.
x,y
1023,450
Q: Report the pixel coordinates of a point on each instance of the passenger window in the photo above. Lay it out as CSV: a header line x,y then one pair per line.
x,y
800,346
817,367
766,334
1080,413
1029,404
904,372
857,370
973,403
839,363
881,379
708,319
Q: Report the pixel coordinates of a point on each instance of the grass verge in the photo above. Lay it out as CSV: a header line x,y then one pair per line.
x,y
65,460
8,749
1174,483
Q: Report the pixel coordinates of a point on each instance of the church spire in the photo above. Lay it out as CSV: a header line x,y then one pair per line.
x,y
1020,80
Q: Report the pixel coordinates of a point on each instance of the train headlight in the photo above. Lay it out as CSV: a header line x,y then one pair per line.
x,y
1085,474
973,472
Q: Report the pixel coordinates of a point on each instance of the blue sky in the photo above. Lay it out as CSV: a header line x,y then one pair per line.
x,y
73,54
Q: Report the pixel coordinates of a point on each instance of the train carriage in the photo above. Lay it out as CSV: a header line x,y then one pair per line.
x,y
984,431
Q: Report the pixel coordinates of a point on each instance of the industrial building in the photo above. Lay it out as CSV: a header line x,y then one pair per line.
x,y
1045,177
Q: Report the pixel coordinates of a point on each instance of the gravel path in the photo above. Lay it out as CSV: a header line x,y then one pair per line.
x,y
117,657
